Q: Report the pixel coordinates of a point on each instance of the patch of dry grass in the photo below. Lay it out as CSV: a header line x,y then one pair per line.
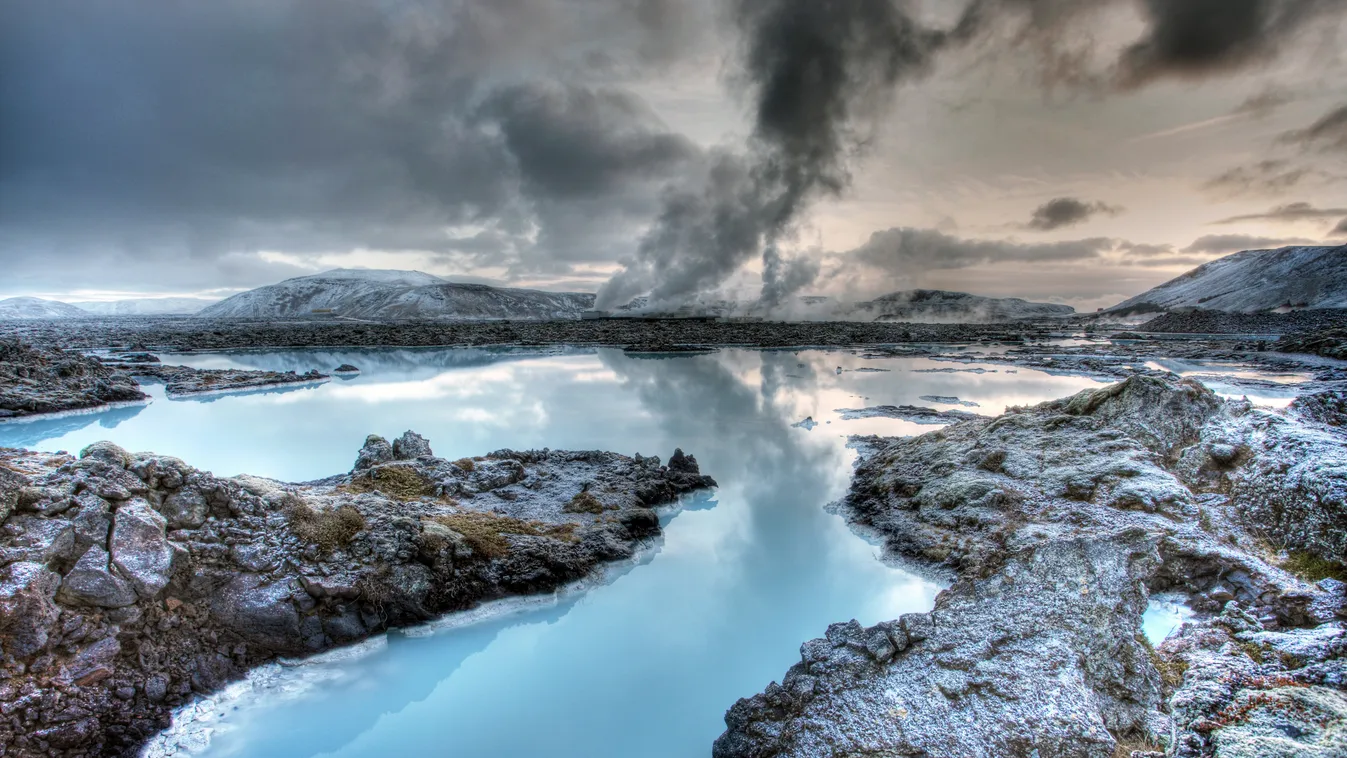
x,y
397,482
585,502
486,533
1127,746
466,465
328,529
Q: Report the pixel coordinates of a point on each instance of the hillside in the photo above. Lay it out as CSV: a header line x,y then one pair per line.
x,y
1254,280
149,306
356,293
35,307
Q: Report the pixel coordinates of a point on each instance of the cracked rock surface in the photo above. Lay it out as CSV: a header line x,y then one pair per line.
x,y
1057,522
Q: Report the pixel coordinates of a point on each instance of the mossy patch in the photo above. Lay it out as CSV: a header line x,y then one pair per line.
x,y
397,482
1171,670
1312,568
328,529
466,465
585,502
486,533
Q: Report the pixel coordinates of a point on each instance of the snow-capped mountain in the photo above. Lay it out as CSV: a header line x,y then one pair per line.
x,y
360,293
941,306
149,306
1255,280
36,307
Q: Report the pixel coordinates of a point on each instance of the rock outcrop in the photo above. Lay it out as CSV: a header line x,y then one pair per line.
x,y
47,380
131,582
185,381
1057,522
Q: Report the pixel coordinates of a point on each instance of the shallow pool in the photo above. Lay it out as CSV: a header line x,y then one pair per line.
x,y
643,663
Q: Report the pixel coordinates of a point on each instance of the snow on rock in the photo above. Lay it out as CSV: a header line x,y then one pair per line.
x,y
36,307
360,293
1255,280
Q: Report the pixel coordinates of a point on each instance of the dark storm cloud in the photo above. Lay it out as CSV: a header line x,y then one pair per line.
x,y
1340,230
569,140
141,133
1194,38
815,72
1290,212
1181,38
1233,243
1067,211
1328,133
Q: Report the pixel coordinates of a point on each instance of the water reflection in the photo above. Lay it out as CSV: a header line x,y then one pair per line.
x,y
32,433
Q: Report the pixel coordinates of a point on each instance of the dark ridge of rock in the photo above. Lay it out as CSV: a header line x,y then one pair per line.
x,y
948,400
130,583
185,381
914,413
346,368
1330,343
48,380
1200,321
1058,521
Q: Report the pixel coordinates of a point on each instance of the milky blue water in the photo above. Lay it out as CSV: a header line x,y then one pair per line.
x,y
645,662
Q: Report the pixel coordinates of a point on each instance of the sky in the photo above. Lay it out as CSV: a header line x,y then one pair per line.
x,y
1075,151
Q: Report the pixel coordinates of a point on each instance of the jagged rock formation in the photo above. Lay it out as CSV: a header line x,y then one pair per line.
x,y
1057,522
396,295
46,380
129,583
1254,280
37,308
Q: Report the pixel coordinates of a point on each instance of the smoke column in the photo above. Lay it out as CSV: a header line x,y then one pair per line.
x,y
814,69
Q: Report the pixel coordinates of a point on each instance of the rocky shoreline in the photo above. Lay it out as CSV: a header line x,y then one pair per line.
x,y
133,582
1059,521
37,380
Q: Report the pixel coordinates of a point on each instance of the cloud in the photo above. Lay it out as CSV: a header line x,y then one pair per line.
x,y
903,249
1263,104
1233,243
1291,212
1067,211
1199,38
1328,133
1180,39
1267,177
138,135
1340,230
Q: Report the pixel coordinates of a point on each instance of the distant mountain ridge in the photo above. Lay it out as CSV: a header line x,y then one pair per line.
x,y
37,308
385,294
146,306
1253,281
943,306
